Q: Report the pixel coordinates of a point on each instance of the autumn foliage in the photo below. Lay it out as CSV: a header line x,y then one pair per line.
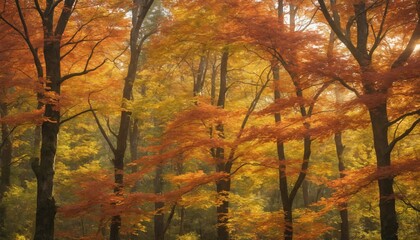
x,y
192,119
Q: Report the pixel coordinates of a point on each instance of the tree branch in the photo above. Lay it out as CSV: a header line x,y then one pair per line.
x,y
86,70
379,36
403,116
110,129
101,129
337,29
76,115
64,16
71,75
316,96
38,8
171,215
347,86
408,131
409,49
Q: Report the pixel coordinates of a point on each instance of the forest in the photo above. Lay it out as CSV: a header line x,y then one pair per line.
x,y
209,119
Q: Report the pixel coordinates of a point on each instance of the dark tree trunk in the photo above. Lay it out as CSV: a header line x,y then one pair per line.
x,y
44,170
283,188
223,189
344,225
306,156
339,147
5,164
159,220
139,13
223,185
388,215
44,167
201,75
213,83
122,143
134,139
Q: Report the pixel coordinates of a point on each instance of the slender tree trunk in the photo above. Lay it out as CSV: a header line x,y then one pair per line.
x,y
159,220
223,185
213,83
344,225
306,156
5,164
122,143
283,188
284,192
139,13
134,142
201,75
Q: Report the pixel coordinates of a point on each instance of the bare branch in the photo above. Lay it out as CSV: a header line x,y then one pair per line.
x,y
346,85
38,8
403,135
379,36
409,49
80,28
337,30
86,70
76,115
316,96
101,129
144,38
73,47
310,21
26,38
403,116
171,215
110,129
71,75
405,200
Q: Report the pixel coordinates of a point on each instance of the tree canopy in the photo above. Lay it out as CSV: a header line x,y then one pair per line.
x,y
192,119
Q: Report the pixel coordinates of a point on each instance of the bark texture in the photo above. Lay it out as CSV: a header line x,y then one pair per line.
x,y
5,164
223,185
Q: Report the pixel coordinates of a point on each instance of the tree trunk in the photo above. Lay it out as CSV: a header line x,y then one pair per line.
x,y
388,215
306,156
223,185
6,149
344,225
201,75
139,13
44,170
134,142
283,188
159,220
223,189
122,143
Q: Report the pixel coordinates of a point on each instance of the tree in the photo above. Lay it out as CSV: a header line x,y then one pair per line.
x,y
137,38
53,32
362,52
